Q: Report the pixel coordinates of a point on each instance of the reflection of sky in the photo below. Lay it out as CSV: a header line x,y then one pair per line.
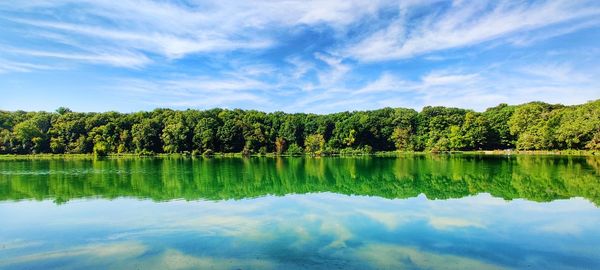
x,y
326,231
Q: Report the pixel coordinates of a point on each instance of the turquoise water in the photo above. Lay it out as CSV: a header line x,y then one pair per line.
x,y
413,212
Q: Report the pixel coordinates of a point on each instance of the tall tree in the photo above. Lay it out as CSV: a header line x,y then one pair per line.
x,y
401,138
146,136
314,144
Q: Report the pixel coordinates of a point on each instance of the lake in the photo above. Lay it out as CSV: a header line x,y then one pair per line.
x,y
407,212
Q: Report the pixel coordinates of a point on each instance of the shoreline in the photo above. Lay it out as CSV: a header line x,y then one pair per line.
x,y
585,153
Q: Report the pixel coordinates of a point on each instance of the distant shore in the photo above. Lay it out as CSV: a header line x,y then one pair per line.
x,y
272,155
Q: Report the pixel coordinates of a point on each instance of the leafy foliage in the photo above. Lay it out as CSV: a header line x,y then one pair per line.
x,y
315,144
535,126
294,150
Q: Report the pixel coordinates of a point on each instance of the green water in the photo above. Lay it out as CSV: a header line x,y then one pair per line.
x,y
410,212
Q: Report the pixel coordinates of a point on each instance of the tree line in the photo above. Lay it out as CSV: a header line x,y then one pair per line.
x,y
530,126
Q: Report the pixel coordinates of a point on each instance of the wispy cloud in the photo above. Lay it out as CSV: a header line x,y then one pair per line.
x,y
337,69
296,55
465,24
385,83
554,82
555,72
195,92
171,45
300,66
537,36
175,30
119,59
440,79
15,66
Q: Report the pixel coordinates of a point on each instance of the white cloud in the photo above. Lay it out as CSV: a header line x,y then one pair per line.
x,y
213,102
553,82
119,59
465,24
168,44
440,79
240,82
229,36
175,30
196,92
301,66
531,38
385,83
557,72
7,66
336,72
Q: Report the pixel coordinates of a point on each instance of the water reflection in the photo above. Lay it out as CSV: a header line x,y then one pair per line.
x,y
456,213
318,231
438,177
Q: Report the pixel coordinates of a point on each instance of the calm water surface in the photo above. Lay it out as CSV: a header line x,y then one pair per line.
x,y
412,212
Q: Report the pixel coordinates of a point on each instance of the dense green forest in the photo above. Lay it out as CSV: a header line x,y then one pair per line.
x,y
530,126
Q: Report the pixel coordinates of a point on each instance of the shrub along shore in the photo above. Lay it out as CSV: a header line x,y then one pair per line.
x,y
531,128
274,155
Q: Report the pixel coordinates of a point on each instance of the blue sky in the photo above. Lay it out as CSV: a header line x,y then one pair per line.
x,y
296,56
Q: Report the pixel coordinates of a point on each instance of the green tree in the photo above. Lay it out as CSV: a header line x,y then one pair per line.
x,y
499,135
577,125
401,138
146,136
205,134
230,133
474,132
57,145
455,139
81,145
594,143
101,148
5,141
530,123
294,150
292,129
350,139
175,137
534,125
28,135
434,127
315,144
63,110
